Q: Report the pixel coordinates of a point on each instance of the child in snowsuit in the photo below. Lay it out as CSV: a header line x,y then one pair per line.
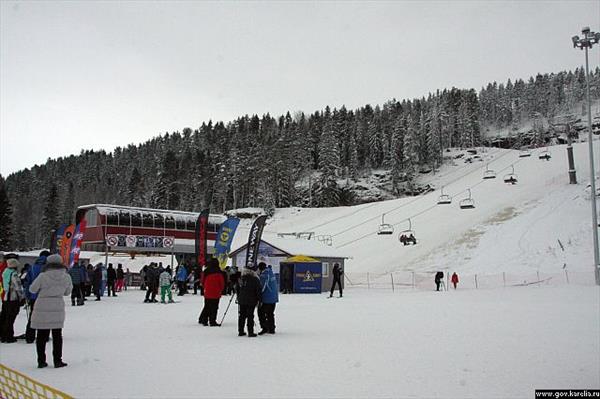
x,y
165,286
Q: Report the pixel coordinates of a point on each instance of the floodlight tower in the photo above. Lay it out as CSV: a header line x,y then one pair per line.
x,y
587,41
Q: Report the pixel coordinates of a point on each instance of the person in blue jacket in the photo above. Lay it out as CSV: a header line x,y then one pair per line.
x,y
181,277
270,296
34,271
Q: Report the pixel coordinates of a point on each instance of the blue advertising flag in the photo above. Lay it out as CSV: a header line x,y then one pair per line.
x,y
224,240
56,240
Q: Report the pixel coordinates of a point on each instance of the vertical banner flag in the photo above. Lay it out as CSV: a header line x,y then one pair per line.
x,y
65,245
56,239
254,240
201,227
76,243
224,239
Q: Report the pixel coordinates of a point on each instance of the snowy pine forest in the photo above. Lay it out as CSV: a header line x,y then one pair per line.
x,y
294,159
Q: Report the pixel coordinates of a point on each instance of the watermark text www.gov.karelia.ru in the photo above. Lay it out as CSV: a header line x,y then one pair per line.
x,y
567,393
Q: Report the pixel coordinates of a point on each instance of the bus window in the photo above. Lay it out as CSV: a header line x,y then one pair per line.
x,y
147,220
159,221
112,219
190,225
169,222
136,219
124,219
180,223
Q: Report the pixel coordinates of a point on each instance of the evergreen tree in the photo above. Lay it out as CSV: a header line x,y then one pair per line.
x,y
329,162
50,219
6,236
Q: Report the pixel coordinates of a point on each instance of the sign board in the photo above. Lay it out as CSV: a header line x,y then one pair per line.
x,y
307,278
134,241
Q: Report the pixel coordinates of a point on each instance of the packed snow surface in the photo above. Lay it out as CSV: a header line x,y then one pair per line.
x,y
455,344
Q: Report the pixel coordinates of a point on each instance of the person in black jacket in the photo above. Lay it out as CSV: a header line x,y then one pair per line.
x,y
97,282
439,276
249,295
152,274
337,279
111,279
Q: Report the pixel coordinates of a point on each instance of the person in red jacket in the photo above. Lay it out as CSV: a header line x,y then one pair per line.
x,y
454,279
213,283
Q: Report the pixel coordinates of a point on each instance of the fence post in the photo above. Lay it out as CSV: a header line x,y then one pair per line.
x,y
538,277
368,283
504,278
567,276
392,276
476,285
413,280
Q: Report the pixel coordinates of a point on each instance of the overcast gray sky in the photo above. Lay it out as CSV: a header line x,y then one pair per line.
x,y
90,75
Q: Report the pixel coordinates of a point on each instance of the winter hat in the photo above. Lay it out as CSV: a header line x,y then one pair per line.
x,y
262,266
11,256
13,264
54,260
45,253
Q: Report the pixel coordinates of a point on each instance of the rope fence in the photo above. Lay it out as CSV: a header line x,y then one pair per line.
x,y
425,280
15,385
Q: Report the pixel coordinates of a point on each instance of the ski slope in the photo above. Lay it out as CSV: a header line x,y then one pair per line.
x,y
513,228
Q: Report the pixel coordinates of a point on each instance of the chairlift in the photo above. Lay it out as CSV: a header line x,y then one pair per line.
x,y
489,173
325,239
385,228
407,236
307,235
467,203
444,198
511,178
545,155
524,153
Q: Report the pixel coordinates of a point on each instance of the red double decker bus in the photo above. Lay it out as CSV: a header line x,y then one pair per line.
x,y
124,221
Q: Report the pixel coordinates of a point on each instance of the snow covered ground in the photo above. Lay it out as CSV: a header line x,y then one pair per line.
x,y
456,344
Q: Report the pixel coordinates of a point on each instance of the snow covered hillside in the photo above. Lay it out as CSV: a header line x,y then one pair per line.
x,y
513,228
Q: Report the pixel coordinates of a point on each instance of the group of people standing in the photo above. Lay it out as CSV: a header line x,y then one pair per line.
x,y
255,287
439,280
40,288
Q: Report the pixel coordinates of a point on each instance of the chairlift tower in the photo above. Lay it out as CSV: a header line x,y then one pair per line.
x,y
587,41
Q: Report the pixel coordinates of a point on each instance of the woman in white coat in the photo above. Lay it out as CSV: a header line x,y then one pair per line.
x,y
49,311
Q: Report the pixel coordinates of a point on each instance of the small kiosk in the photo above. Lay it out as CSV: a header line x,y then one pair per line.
x,y
306,272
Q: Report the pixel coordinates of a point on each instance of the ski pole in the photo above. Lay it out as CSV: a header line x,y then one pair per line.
x,y
228,305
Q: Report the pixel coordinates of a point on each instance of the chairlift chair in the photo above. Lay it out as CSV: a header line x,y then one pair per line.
x,y
489,173
467,203
385,228
545,155
511,178
325,239
444,198
524,153
407,236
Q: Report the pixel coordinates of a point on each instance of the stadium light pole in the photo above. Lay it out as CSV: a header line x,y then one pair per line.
x,y
587,41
